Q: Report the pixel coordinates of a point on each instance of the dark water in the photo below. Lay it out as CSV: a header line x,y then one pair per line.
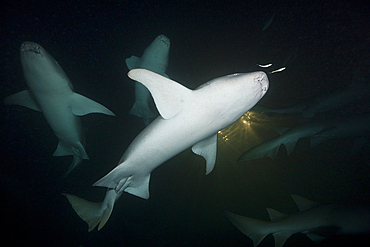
x,y
90,41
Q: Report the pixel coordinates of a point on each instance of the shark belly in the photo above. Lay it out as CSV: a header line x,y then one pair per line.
x,y
162,140
65,125
51,92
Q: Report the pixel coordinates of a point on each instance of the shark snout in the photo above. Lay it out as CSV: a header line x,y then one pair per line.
x,y
164,39
263,80
30,47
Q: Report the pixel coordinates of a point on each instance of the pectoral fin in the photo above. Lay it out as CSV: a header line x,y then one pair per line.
x,y
208,149
23,98
82,105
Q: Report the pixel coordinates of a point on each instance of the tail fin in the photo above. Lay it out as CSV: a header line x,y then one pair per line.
x,y
121,180
94,213
255,229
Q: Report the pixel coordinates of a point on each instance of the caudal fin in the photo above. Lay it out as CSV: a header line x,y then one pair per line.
x,y
255,229
92,213
121,180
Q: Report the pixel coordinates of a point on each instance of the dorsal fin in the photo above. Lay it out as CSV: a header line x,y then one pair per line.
x,y
169,96
303,203
275,215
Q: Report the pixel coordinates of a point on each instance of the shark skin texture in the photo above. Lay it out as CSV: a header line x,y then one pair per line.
x,y
154,58
316,221
188,119
51,92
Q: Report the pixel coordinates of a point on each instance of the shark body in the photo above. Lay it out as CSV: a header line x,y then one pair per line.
x,y
289,138
154,58
188,118
51,92
318,131
316,221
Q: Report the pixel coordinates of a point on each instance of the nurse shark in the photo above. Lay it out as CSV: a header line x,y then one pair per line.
x,y
316,221
154,58
188,118
51,92
289,139
318,130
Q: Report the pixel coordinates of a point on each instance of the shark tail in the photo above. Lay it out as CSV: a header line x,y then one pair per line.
x,y
255,229
93,213
121,180
78,153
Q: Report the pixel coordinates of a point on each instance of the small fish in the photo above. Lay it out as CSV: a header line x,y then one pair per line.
x,y
268,23
265,66
278,70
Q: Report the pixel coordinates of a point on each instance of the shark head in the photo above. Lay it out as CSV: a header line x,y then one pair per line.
x,y
30,50
254,85
155,56
164,39
38,63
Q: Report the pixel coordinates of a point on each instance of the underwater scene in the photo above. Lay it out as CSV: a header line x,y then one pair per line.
x,y
185,123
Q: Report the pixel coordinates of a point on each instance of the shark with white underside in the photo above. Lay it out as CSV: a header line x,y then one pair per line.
x,y
316,221
188,118
51,92
154,58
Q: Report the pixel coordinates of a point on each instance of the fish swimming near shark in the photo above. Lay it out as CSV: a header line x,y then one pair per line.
x,y
268,22
316,221
356,93
154,58
51,92
188,118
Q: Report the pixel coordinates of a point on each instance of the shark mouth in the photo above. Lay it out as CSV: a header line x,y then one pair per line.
x,y
164,39
26,47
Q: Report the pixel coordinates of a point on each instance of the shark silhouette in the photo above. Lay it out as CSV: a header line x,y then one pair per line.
x,y
316,221
318,130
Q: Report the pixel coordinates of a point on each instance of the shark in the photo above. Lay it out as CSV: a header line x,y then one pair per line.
x,y
154,58
356,92
52,93
314,220
318,131
188,118
289,139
